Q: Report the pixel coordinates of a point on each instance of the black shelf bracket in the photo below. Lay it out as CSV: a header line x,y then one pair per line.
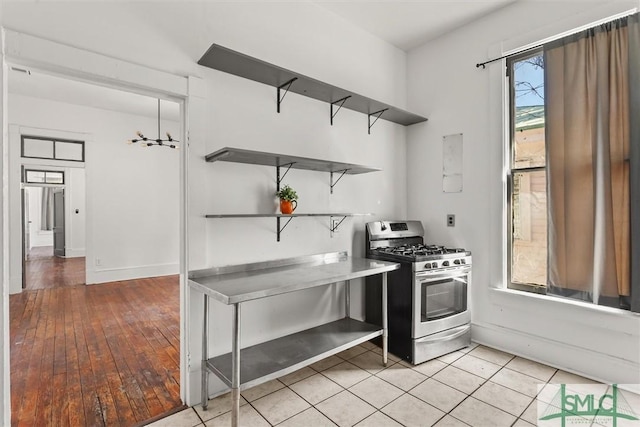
x,y
280,229
286,87
280,178
378,114
333,183
341,101
333,227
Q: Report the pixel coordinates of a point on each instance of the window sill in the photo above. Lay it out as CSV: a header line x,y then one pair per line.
x,y
511,294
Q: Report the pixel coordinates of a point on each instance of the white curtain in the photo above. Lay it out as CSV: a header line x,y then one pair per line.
x,y
46,209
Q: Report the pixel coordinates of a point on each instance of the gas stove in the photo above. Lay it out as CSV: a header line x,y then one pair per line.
x,y
427,295
402,241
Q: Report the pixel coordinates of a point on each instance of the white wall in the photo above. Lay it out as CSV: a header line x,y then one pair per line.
x,y
457,97
242,114
131,210
301,129
230,111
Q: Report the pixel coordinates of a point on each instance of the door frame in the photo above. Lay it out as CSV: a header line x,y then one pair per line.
x,y
24,209
74,63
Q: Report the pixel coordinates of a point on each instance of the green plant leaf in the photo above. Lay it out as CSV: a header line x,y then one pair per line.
x,y
287,193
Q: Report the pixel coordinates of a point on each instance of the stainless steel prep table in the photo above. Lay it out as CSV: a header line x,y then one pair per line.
x,y
233,285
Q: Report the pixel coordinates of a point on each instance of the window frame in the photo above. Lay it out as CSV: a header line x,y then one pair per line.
x,y
511,171
53,141
27,181
633,161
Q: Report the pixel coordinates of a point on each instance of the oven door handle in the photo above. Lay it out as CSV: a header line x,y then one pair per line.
x,y
429,276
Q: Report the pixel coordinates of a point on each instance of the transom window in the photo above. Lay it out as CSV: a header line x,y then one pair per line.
x,y
36,176
35,147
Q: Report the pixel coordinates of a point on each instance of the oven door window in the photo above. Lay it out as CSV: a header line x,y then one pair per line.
x,y
443,298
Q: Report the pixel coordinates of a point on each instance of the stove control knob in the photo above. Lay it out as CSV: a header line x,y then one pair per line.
x,y
463,261
445,263
427,265
457,261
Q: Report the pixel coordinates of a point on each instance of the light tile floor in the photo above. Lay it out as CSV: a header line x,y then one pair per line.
x,y
476,386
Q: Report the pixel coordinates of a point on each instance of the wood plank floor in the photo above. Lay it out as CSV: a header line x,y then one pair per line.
x,y
43,270
98,355
39,252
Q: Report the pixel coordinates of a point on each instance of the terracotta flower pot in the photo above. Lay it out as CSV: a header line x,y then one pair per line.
x,y
288,206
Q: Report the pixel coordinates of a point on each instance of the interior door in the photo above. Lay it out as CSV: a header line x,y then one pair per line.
x,y
58,222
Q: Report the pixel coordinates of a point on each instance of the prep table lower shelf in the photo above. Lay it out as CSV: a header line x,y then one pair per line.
x,y
272,359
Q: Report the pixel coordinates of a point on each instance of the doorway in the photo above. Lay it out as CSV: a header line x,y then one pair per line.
x,y
52,250
113,355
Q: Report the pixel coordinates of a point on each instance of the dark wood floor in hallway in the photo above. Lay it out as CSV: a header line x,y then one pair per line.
x,y
43,270
99,355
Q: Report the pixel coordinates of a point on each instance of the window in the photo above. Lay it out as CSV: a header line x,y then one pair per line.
x,y
34,176
528,246
574,150
36,147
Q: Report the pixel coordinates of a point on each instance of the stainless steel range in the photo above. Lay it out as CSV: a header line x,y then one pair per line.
x,y
427,296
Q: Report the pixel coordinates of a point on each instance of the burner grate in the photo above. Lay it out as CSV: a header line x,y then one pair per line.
x,y
417,250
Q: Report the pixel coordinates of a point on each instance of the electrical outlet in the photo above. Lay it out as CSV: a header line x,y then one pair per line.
x,y
334,225
451,220
98,262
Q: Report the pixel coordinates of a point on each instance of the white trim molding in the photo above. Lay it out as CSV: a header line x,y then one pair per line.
x,y
74,252
578,360
5,391
105,275
88,66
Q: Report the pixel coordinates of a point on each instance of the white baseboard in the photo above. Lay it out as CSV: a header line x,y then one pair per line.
x,y
130,273
74,253
578,360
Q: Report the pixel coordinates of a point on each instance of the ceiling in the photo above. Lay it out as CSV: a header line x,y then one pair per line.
x,y
407,24
403,23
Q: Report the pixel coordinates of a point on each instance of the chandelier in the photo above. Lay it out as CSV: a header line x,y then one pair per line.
x,y
148,142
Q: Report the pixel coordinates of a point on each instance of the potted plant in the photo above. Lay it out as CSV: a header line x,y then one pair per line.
x,y
288,199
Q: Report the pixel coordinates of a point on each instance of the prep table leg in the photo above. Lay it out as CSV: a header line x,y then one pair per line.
x,y
347,298
385,332
205,354
235,366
